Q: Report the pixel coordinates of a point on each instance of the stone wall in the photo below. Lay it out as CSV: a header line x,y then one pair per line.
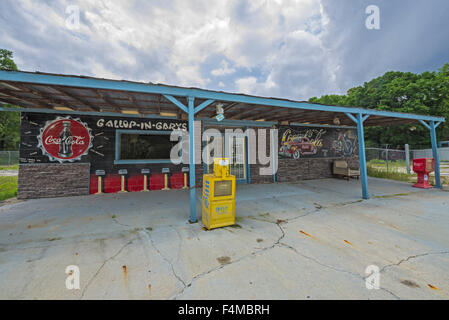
x,y
291,170
48,180
256,177
199,168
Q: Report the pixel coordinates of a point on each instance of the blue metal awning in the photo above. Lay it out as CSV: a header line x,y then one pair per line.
x,y
47,91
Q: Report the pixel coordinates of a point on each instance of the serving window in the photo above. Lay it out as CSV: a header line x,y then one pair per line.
x,y
144,147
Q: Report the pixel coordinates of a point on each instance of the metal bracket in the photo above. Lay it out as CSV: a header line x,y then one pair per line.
x,y
176,102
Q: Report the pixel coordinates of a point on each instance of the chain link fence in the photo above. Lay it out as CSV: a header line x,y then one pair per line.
x,y
396,158
9,158
389,160
397,164
443,154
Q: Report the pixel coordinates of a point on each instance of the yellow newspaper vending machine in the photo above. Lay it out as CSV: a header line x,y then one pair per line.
x,y
219,196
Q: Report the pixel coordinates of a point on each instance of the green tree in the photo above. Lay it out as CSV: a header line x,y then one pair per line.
x,y
6,60
426,93
9,121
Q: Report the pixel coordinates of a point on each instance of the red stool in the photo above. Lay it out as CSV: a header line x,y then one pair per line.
x,y
156,181
93,185
177,180
112,183
135,183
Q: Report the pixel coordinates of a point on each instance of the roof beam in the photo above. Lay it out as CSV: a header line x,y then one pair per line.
x,y
108,101
14,94
241,115
132,100
263,115
350,116
203,105
78,99
103,113
50,101
376,121
230,106
176,103
425,124
159,103
225,109
7,100
283,114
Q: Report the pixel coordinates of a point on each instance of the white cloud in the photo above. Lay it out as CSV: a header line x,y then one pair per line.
x,y
224,70
250,85
246,85
293,49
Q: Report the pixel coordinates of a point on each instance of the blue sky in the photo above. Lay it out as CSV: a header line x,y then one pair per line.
x,y
292,49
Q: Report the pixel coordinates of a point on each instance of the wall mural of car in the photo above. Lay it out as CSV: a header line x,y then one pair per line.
x,y
296,142
296,146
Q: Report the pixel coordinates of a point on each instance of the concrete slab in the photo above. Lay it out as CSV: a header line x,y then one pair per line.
x,y
308,240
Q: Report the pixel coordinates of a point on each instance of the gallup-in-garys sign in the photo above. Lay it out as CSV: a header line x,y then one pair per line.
x,y
65,139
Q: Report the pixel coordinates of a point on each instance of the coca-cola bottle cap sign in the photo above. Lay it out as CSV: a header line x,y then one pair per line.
x,y
65,139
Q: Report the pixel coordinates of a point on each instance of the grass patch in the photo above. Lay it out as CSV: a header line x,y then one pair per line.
x,y
8,187
13,167
376,172
378,163
393,175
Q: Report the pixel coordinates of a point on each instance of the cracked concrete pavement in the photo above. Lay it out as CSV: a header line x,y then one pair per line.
x,y
308,240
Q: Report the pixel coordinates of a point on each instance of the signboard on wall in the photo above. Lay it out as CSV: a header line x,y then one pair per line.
x,y
298,142
92,139
65,139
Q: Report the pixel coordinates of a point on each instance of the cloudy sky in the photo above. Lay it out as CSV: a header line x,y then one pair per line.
x,y
294,49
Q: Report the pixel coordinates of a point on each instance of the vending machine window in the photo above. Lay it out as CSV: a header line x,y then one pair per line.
x,y
223,188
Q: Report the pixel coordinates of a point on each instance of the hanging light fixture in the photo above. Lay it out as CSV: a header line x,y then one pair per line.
x,y
336,121
220,111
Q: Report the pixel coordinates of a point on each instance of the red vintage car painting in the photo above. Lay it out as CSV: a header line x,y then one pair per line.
x,y
297,146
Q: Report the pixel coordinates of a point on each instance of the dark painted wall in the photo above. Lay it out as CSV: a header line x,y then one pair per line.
x,y
317,142
102,154
316,148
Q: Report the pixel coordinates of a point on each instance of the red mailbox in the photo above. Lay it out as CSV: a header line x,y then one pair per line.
x,y
423,167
